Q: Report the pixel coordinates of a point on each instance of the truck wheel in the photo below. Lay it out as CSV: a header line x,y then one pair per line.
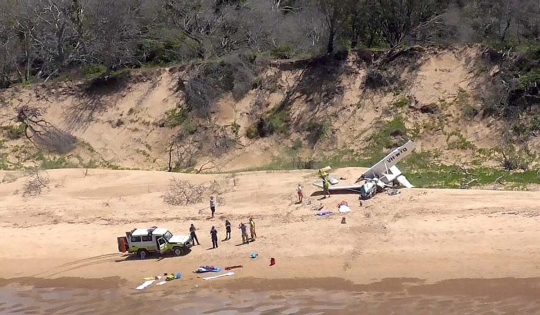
x,y
178,251
142,253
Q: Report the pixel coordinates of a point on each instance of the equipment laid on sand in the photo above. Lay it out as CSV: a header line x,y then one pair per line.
x,y
145,284
204,269
380,176
223,275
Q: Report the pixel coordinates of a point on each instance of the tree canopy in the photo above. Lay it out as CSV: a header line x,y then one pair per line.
x,y
41,39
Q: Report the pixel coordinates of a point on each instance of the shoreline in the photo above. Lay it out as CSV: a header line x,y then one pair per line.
x,y
295,296
345,271
491,289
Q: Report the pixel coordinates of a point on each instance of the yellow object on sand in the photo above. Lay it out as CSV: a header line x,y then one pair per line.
x,y
325,169
323,172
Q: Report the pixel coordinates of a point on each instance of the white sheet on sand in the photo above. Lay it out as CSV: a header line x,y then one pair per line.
x,y
161,283
223,275
145,284
344,209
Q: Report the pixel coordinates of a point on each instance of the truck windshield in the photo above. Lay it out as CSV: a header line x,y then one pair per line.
x,y
167,235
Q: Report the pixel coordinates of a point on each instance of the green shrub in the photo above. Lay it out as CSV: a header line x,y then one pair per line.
x,y
277,123
175,117
317,130
190,127
94,71
16,131
235,127
282,52
252,132
402,102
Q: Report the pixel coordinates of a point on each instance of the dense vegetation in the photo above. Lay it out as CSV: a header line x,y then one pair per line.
x,y
43,39
222,43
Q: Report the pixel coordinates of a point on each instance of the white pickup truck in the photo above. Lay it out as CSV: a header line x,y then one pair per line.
x,y
154,240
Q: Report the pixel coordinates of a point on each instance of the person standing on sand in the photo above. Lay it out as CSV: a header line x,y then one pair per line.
x,y
243,228
326,187
192,230
252,228
213,233
300,193
228,230
212,205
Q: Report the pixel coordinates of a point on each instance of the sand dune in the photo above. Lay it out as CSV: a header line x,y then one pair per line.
x,y
70,230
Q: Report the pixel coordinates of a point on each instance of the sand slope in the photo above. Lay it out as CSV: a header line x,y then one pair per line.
x,y
123,126
71,230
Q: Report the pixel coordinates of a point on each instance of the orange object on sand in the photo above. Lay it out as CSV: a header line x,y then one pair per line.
x,y
233,267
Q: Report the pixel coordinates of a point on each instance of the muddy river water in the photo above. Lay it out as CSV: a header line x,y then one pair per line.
x,y
460,296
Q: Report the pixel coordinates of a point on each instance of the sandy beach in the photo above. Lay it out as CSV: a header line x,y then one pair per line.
x,y
71,230
426,236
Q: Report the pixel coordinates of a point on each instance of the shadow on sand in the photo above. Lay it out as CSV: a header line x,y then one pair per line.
x,y
151,256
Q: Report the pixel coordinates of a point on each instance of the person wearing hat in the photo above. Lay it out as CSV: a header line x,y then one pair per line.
x,y
192,230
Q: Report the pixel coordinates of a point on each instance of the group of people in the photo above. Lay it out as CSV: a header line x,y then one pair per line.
x,y
214,232
326,189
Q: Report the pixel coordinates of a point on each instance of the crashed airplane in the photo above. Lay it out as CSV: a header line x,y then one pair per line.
x,y
382,175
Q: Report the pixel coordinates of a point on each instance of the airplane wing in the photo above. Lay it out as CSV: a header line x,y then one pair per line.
x,y
352,187
403,181
390,160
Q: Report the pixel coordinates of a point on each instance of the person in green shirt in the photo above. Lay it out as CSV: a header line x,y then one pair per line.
x,y
326,187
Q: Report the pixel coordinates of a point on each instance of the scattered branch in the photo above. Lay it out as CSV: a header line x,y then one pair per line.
x,y
36,182
183,193
202,168
467,185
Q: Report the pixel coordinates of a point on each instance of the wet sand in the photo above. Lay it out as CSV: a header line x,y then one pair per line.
x,y
259,296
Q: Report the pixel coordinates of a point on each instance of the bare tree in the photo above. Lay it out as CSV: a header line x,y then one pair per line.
x,y
529,19
43,134
25,26
114,30
397,18
35,183
194,19
335,14
183,153
364,25
8,45
56,38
